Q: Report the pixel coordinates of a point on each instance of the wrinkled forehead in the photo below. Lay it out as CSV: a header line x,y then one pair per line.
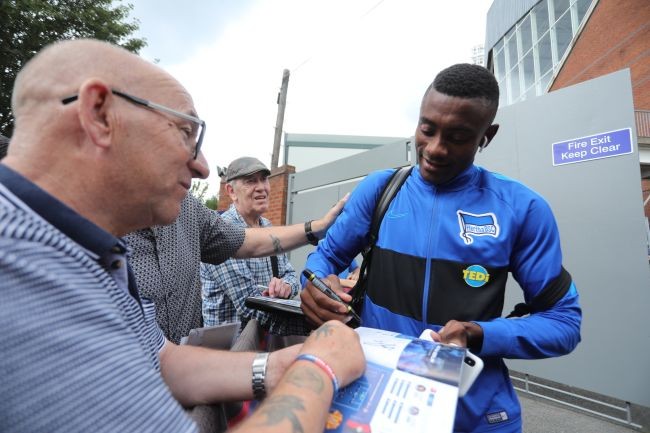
x,y
260,175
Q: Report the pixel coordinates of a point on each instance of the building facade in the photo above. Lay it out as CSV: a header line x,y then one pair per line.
x,y
534,47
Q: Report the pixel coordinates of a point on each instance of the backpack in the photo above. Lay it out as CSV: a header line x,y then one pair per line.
x,y
544,300
393,185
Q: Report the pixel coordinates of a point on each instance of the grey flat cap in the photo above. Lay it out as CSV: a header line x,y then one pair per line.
x,y
245,166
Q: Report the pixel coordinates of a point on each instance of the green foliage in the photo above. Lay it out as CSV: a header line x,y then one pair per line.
x,y
212,202
199,189
26,26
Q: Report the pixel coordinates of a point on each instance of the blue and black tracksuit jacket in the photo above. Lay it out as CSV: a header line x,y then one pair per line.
x,y
443,253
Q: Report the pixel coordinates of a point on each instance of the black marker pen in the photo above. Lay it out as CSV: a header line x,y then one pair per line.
x,y
320,285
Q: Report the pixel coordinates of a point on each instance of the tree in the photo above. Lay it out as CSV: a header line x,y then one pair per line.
x,y
212,202
29,25
199,189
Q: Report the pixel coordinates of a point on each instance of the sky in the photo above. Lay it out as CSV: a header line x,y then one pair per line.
x,y
357,67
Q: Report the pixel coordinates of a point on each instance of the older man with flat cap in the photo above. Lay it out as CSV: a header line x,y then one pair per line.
x,y
90,161
166,259
226,286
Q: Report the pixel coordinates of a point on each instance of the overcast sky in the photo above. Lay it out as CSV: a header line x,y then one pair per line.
x,y
357,67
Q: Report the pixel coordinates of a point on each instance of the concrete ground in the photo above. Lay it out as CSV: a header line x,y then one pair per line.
x,y
543,416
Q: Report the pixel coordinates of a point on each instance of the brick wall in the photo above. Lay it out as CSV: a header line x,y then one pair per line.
x,y
279,181
615,37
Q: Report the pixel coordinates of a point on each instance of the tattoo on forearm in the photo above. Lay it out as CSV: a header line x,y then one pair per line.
x,y
280,408
324,331
306,378
277,246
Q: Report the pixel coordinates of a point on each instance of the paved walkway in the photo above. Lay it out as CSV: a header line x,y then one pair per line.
x,y
543,416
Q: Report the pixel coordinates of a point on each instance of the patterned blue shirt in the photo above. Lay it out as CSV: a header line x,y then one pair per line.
x,y
226,286
80,351
167,260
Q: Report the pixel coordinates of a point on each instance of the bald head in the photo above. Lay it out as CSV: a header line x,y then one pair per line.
x,y
59,69
83,134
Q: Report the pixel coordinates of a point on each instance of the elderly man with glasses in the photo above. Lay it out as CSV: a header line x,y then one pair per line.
x,y
81,350
166,259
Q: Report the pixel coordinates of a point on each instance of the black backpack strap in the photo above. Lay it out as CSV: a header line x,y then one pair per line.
x,y
274,266
545,299
394,183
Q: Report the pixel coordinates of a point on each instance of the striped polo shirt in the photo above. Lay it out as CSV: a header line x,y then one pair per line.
x,y
79,348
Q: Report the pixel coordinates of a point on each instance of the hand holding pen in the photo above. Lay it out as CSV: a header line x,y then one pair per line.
x,y
313,309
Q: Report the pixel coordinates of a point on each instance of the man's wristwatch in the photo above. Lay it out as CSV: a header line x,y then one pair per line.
x,y
259,375
311,238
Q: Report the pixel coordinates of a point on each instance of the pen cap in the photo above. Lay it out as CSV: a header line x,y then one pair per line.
x,y
308,274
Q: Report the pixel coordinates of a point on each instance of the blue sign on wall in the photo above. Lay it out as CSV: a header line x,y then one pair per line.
x,y
596,146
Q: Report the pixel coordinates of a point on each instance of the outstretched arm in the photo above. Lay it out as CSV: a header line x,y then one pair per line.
x,y
197,375
300,403
260,242
300,391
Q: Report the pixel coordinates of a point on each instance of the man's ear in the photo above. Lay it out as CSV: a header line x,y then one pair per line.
x,y
491,132
231,192
489,135
95,104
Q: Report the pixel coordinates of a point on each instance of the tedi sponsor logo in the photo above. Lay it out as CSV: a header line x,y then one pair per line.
x,y
476,276
471,225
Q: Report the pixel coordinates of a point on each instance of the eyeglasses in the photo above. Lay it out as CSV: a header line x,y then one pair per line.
x,y
195,136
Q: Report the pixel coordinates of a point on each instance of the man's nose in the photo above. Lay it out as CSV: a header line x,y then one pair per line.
x,y
434,146
199,167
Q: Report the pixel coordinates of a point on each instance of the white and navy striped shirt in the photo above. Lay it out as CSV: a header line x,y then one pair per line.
x,y
79,349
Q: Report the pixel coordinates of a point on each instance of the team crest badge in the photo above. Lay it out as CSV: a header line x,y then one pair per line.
x,y
471,225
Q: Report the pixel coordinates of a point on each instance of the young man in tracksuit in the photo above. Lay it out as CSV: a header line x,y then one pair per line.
x,y
445,247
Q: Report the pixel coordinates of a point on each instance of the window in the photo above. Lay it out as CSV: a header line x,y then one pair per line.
x,y
503,94
514,84
541,18
530,93
545,57
526,35
528,69
543,83
563,33
512,50
524,59
559,7
500,65
582,6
